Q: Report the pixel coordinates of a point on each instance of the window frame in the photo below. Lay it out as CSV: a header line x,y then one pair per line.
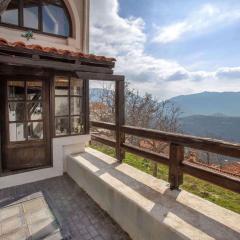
x,y
81,115
21,26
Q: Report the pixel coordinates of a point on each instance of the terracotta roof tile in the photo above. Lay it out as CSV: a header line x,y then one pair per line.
x,y
35,47
4,42
63,52
50,50
74,54
18,44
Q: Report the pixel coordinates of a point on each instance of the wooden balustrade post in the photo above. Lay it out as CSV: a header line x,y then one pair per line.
x,y
86,105
175,170
119,118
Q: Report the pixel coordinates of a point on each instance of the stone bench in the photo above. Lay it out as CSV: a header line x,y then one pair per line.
x,y
144,206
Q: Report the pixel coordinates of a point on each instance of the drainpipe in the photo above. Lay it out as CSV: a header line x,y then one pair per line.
x,y
86,16
3,5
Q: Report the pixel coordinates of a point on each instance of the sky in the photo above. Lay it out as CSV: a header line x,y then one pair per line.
x,y
170,47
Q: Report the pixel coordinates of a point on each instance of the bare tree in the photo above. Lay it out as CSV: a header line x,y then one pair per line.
x,y
142,111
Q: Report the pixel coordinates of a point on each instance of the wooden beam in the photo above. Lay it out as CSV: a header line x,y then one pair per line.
x,y
156,157
119,118
51,64
175,176
16,70
213,176
104,125
87,112
100,76
205,144
103,140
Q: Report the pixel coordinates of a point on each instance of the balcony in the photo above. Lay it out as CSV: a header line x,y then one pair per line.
x,y
141,205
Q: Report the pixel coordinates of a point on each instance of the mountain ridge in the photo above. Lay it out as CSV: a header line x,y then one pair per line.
x,y
209,103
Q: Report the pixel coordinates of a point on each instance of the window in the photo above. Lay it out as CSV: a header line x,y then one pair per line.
x,y
55,20
25,110
11,15
45,16
69,117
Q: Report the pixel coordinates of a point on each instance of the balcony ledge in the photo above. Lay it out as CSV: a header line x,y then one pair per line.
x,y
144,206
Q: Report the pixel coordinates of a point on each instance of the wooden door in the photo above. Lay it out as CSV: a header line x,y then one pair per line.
x,y
26,141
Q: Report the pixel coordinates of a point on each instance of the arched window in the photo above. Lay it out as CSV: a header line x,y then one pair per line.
x,y
45,16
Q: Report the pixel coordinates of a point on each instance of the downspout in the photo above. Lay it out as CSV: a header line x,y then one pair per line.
x,y
86,16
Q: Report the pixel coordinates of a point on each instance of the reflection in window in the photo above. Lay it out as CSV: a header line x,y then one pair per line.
x,y
61,86
76,87
35,130
77,126
30,14
16,112
16,132
55,20
34,111
34,90
61,106
76,106
62,126
16,90
10,16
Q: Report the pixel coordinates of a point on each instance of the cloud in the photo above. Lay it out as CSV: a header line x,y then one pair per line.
x,y
126,38
178,76
111,34
198,22
229,73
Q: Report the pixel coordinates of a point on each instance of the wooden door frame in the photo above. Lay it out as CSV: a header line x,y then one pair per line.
x,y
46,118
2,122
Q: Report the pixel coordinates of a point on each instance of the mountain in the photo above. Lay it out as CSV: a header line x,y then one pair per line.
x,y
209,103
205,103
219,127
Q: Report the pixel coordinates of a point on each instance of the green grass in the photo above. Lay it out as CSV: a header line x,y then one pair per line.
x,y
211,192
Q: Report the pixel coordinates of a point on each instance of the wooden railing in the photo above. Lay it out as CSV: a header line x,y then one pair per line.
x,y
176,162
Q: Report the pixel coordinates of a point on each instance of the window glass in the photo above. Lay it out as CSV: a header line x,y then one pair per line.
x,y
61,86
16,90
34,111
16,111
77,126
61,106
34,90
11,14
16,131
35,130
76,86
76,106
30,14
62,126
55,20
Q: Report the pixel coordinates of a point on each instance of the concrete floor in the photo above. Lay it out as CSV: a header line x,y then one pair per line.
x,y
77,214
